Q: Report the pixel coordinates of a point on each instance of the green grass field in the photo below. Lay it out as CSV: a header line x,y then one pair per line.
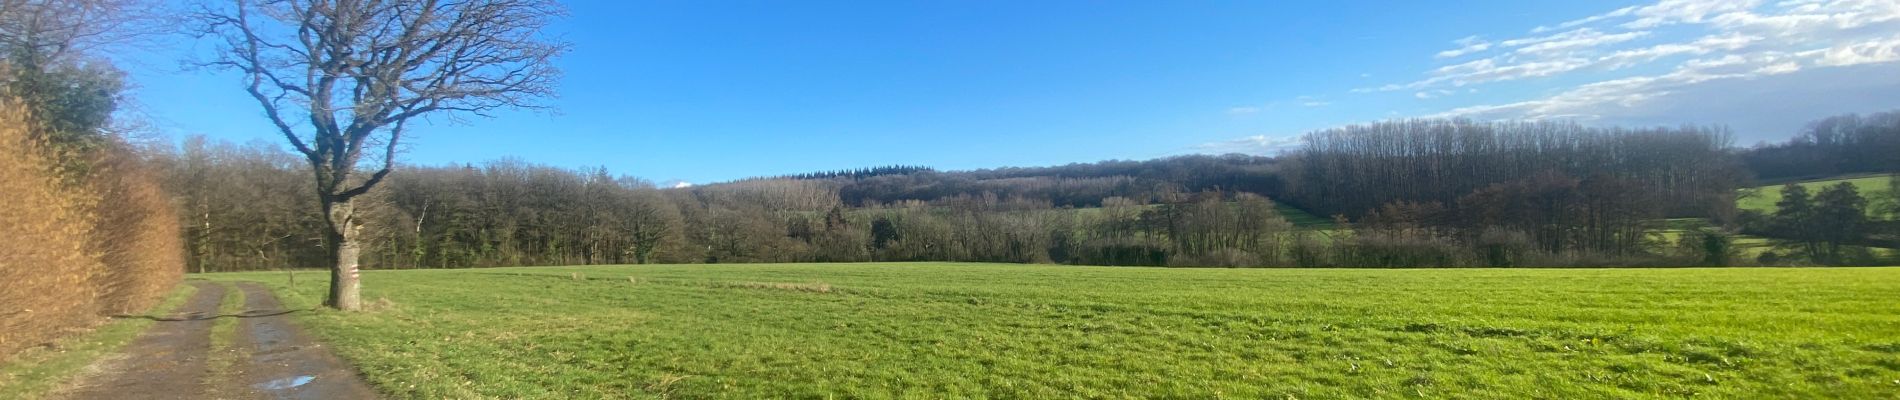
x,y
943,330
1764,197
1302,219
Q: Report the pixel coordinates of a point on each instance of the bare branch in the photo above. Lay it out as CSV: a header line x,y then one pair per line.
x,y
362,69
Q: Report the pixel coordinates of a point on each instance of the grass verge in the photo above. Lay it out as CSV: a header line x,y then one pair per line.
x,y
37,372
224,351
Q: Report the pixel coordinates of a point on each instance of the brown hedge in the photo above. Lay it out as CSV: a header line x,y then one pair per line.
x,y
75,248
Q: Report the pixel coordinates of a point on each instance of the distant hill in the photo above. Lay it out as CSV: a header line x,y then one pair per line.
x,y
1072,185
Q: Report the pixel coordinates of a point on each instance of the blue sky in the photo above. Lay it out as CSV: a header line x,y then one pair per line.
x,y
707,91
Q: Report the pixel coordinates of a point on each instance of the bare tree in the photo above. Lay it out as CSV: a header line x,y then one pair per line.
x,y
43,31
356,72
54,57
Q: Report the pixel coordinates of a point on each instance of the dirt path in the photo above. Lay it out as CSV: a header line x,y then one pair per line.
x,y
269,358
169,358
286,364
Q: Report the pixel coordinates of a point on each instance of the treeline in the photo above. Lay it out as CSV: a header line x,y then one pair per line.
x,y
859,173
1429,193
1074,185
1844,144
1357,169
245,208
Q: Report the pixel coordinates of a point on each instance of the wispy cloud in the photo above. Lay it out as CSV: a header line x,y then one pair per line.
x,y
1586,20
1582,38
1468,45
1256,144
1742,62
1742,41
1669,12
1487,70
1302,101
1871,52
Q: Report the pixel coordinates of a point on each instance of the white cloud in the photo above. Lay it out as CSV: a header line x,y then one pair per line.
x,y
1467,45
1834,32
1813,17
1762,67
1612,98
1583,38
1710,59
1732,25
1243,110
1668,12
1877,51
1704,45
1488,70
1256,144
1778,69
1586,20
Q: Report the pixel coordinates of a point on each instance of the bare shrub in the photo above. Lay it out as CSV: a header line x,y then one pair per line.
x,y
1308,251
1398,250
76,248
136,234
46,258
1223,257
1504,247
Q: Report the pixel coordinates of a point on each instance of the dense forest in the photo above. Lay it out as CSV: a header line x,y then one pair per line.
x,y
1359,168
1836,145
1403,193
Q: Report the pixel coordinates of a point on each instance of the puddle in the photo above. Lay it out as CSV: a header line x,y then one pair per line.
x,y
286,383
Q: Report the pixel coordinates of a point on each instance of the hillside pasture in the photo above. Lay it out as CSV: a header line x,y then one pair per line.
x,y
1763,198
950,330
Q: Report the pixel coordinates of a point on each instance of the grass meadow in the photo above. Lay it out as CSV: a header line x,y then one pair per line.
x,y
1763,198
951,330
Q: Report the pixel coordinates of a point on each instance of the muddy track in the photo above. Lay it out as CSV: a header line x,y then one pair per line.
x,y
284,363
269,357
168,359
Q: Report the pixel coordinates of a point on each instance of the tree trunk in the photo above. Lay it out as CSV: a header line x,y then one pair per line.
x,y
345,286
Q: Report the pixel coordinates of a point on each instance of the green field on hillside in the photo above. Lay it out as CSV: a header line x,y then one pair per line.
x,y
1302,219
944,330
1763,198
